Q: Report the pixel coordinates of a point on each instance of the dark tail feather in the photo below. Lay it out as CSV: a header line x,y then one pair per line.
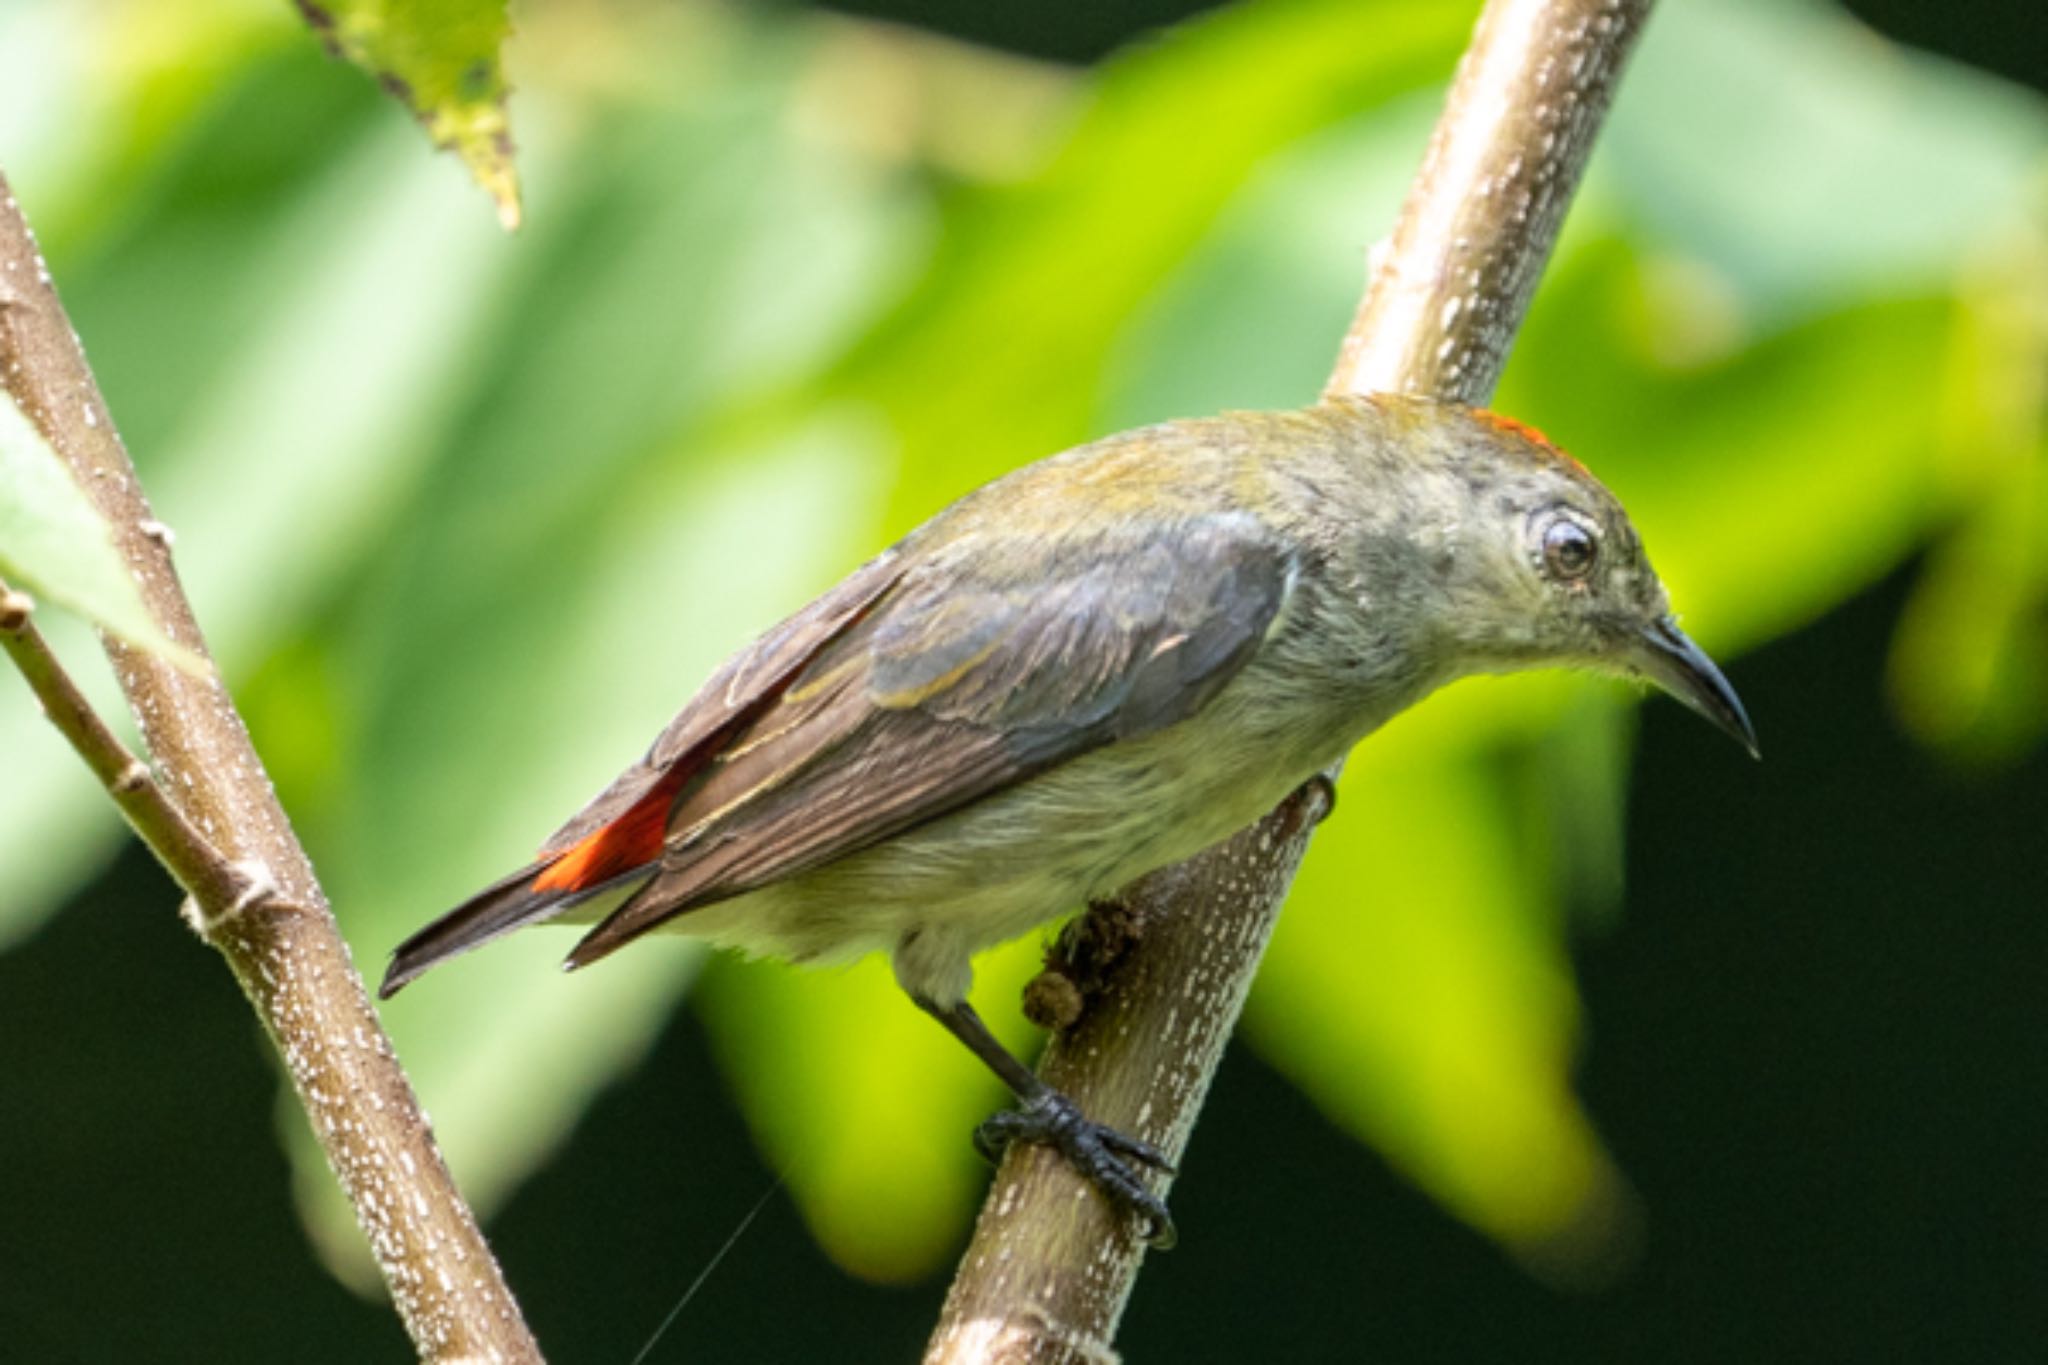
x,y
491,913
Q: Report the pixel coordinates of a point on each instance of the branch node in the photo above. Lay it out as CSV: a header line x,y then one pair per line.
x,y
132,778
1313,802
16,607
253,887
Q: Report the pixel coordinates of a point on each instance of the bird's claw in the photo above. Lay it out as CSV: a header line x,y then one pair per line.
x,y
1098,1152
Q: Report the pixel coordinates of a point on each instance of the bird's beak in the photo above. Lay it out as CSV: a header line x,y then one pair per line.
x,y
1667,657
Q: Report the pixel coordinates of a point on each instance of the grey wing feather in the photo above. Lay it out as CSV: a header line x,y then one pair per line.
x,y
743,687
957,685
1119,645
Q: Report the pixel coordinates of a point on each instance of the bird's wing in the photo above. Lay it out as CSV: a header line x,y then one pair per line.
x,y
617,836
957,682
743,688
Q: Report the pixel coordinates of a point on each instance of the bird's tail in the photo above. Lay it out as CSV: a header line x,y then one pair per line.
x,y
609,856
498,909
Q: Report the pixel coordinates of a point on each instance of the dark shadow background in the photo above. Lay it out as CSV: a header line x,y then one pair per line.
x,y
1822,1066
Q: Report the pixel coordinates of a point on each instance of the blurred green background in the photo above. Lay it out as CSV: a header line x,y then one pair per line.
x,y
467,516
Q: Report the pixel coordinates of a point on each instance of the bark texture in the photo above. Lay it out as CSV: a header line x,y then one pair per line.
x,y
258,902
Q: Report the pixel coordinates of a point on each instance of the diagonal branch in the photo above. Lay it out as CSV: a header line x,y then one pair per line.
x,y
254,895
1050,1269
192,860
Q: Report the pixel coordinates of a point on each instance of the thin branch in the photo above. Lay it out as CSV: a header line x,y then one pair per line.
x,y
1449,293
193,862
1050,1268
267,916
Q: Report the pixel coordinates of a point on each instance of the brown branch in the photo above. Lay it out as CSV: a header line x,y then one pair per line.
x,y
1472,240
1050,1267
226,839
193,861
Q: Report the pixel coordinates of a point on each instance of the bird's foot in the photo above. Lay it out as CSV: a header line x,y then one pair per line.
x,y
1099,1153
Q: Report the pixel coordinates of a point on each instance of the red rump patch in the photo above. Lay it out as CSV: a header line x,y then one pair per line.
x,y
633,840
1527,433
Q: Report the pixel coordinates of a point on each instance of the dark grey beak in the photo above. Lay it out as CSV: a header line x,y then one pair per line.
x,y
1667,657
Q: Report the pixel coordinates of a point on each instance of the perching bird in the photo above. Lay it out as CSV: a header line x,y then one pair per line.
x,y
1093,667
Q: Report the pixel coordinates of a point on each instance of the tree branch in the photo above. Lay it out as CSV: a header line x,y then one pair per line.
x,y
194,863
224,837
1448,295
1050,1267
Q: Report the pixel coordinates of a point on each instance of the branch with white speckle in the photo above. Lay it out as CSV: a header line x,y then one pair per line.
x,y
217,826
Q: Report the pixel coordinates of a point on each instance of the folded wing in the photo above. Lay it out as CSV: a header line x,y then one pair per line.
x,y
964,675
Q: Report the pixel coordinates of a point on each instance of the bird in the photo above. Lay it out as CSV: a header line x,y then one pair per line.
x,y
1092,667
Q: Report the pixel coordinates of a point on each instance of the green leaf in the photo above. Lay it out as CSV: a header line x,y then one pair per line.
x,y
1002,353
998,356
865,1104
54,544
1806,159
440,58
1776,460
1853,483
1969,668
549,565
1417,991
241,327
1253,318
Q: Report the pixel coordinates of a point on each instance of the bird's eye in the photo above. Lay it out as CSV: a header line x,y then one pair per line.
x,y
1569,549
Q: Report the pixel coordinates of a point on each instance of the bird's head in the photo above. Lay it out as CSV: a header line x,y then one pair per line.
x,y
1538,564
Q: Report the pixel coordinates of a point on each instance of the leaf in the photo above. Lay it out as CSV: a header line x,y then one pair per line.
x,y
1417,991
224,338
863,1102
1969,668
1002,353
440,58
1253,318
1417,988
1751,133
580,542
53,542
503,1047
999,356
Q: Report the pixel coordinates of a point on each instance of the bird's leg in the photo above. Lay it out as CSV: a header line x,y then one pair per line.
x,y
1045,1115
